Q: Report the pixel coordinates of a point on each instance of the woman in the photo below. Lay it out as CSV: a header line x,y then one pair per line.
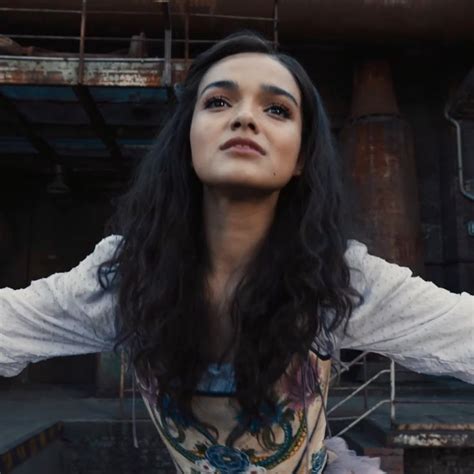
x,y
230,282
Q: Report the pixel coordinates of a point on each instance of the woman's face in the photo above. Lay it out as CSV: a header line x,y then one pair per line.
x,y
247,96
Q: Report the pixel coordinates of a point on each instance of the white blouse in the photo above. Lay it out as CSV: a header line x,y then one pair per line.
x,y
419,325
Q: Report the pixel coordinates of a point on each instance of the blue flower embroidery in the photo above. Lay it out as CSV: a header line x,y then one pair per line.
x,y
227,460
318,461
170,410
271,416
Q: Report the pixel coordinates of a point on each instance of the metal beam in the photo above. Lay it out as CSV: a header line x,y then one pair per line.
x,y
97,121
27,130
138,13
431,439
97,71
82,43
118,39
81,132
168,43
167,72
275,24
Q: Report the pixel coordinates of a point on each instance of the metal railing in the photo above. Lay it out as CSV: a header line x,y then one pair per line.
x,y
355,391
363,388
344,367
167,38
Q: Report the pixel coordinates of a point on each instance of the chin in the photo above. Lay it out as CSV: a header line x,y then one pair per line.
x,y
243,187
249,179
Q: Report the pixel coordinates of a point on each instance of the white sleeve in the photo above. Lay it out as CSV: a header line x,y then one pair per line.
x,y
421,326
64,314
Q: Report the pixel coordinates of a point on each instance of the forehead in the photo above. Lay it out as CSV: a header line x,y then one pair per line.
x,y
251,70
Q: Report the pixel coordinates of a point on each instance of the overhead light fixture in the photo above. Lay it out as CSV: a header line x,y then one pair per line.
x,y
57,185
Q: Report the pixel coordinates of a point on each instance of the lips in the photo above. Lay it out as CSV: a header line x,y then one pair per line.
x,y
244,142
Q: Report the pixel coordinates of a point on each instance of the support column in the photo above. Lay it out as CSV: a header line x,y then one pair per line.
x,y
379,156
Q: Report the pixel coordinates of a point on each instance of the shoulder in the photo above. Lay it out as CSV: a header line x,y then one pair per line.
x,y
367,269
105,251
107,246
355,253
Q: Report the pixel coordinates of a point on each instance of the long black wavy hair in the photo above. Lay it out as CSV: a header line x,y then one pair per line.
x,y
282,303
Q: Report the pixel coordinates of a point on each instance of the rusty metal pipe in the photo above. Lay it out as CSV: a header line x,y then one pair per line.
x,y
49,37
232,17
126,12
182,14
37,10
82,41
462,185
110,38
275,24
186,33
378,147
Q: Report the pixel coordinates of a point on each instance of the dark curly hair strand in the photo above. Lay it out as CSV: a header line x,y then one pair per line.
x,y
280,306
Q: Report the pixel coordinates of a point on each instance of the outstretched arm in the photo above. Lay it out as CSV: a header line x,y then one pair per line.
x,y
421,326
63,314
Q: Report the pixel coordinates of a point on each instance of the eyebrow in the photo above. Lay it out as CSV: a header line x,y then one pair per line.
x,y
233,86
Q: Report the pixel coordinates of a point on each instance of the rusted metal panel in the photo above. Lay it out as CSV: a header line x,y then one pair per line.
x,y
113,73
15,70
97,72
373,92
382,168
433,439
378,148
435,426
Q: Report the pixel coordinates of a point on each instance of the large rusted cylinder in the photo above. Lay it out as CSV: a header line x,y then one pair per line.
x,y
378,150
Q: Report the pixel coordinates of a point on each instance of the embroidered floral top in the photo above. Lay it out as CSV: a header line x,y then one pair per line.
x,y
423,327
293,443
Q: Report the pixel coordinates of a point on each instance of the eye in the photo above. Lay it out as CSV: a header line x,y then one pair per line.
x,y
215,102
280,110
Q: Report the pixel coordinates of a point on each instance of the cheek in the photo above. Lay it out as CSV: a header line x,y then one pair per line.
x,y
202,140
197,140
289,147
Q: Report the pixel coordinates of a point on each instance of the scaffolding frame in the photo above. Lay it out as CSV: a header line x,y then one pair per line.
x,y
80,70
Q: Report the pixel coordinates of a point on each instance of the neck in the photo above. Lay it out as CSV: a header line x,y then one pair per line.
x,y
235,226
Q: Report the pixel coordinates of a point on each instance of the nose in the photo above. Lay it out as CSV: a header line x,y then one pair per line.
x,y
244,119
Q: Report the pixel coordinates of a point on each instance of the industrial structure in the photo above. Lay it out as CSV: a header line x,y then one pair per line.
x,y
85,86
